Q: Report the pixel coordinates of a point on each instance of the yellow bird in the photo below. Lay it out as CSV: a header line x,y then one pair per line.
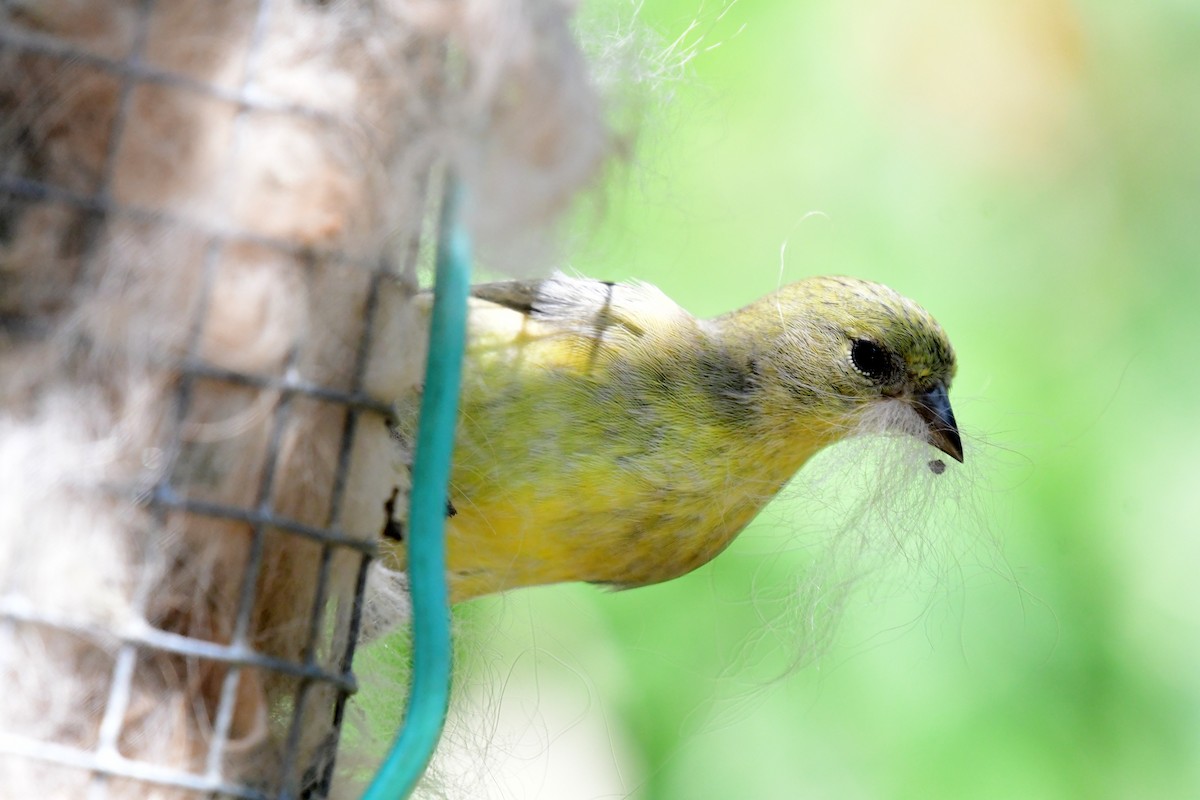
x,y
607,435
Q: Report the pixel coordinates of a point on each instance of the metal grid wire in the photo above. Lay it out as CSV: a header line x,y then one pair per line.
x,y
104,761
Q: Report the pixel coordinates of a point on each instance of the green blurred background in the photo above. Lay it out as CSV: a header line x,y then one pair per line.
x,y
1028,170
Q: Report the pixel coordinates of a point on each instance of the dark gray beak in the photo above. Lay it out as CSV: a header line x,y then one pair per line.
x,y
934,408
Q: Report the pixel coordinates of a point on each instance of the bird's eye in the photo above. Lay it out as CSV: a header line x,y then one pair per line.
x,y
872,360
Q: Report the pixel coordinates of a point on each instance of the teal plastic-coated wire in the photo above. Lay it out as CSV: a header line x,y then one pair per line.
x,y
429,691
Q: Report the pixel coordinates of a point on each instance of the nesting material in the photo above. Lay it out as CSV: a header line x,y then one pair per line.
x,y
210,219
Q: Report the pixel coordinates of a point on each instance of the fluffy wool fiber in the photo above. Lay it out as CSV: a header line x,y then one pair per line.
x,y
215,186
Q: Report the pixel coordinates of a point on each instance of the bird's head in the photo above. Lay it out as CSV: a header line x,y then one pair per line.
x,y
839,346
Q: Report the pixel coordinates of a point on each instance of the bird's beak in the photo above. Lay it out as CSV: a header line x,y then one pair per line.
x,y
934,408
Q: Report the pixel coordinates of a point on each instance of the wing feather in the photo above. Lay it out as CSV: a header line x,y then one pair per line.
x,y
583,304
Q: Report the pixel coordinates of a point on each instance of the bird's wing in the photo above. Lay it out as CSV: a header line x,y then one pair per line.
x,y
582,304
518,295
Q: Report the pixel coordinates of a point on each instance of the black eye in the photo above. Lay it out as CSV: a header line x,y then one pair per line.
x,y
872,360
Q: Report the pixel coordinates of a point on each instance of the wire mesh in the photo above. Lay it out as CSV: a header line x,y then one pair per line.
x,y
322,663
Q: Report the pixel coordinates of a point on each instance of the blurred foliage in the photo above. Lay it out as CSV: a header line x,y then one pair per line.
x,y
1029,170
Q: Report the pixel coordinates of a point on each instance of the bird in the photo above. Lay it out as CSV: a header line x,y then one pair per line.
x,y
607,435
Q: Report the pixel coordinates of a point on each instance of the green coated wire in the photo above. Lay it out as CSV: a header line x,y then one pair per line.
x,y
429,692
